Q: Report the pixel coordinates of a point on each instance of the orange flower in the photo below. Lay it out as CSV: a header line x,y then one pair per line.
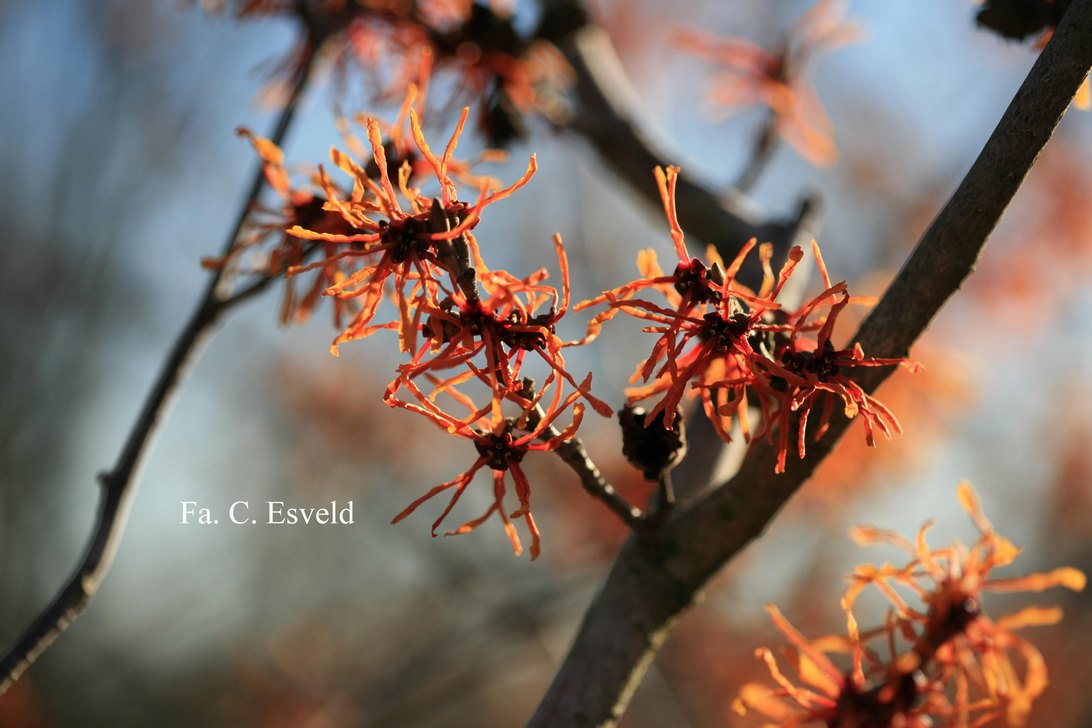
x,y
503,327
302,206
413,246
704,345
734,347
947,660
753,75
814,371
501,449
711,351
319,212
954,632
505,72
693,283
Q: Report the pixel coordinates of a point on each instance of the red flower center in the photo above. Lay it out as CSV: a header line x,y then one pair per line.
x,y
724,334
698,283
823,365
498,450
408,238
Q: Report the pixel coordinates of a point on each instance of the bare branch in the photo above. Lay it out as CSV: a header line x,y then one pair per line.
x,y
608,116
119,484
646,591
766,144
575,455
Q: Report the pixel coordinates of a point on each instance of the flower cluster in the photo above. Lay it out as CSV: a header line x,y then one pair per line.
x,y
413,245
326,229
750,74
508,73
501,443
734,347
397,259
945,659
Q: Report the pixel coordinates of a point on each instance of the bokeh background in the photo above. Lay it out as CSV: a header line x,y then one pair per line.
x,y
121,170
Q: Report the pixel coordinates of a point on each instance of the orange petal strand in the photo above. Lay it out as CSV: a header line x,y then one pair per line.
x,y
762,699
801,643
1065,576
1030,617
380,156
820,263
868,535
968,499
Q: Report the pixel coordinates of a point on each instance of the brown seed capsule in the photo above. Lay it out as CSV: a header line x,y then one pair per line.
x,y
651,447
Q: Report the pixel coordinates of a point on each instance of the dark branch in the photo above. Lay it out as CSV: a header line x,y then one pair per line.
x,y
607,115
575,455
765,146
119,484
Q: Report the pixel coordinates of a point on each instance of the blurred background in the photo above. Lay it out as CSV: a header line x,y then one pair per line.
x,y
121,170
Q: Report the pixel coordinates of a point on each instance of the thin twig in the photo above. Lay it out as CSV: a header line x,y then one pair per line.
x,y
664,503
119,484
263,281
763,152
646,591
667,492
607,114
575,455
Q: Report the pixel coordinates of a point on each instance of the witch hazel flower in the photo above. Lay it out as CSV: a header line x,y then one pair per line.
x,y
508,72
265,249
735,348
705,352
488,333
938,658
693,282
703,348
748,74
411,246
813,372
501,444
997,674
278,253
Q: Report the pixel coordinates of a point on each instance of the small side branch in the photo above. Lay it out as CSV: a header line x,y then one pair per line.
x,y
765,146
119,484
607,116
575,455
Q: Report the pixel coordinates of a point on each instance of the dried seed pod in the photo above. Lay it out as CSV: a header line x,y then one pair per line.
x,y
650,446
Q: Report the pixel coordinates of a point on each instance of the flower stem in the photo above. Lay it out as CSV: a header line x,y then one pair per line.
x,y
575,455
764,147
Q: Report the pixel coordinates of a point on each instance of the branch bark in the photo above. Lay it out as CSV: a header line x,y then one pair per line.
x,y
607,116
119,484
646,590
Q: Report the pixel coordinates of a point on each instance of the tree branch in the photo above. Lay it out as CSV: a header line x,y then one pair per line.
x,y
646,591
575,455
119,484
607,115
